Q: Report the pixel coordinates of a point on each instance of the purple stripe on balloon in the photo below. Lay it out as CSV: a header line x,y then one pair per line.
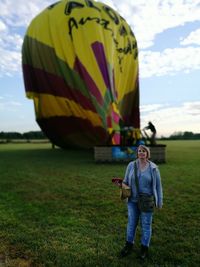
x,y
79,67
99,53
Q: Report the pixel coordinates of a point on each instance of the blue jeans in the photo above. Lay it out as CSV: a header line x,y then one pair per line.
x,y
134,215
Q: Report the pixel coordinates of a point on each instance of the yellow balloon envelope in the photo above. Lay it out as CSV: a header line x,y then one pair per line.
x,y
80,67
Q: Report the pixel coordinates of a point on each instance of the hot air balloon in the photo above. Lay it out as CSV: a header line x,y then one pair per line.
x,y
80,68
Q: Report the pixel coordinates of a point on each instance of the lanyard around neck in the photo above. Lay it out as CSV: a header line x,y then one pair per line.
x,y
136,177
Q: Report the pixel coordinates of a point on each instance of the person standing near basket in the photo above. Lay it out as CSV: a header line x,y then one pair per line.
x,y
143,177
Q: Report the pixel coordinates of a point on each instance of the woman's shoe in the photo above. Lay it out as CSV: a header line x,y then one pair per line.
x,y
127,249
144,252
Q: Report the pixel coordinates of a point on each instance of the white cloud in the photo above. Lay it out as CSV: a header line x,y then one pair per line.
x,y
15,15
2,26
9,105
10,62
170,61
192,38
10,51
193,108
15,103
172,119
17,116
150,108
21,12
11,42
147,19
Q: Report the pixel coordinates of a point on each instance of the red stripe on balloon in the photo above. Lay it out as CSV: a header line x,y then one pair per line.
x,y
41,82
117,139
115,117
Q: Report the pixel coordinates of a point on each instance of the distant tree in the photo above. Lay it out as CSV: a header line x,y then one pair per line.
x,y
28,135
176,136
34,135
183,136
188,135
10,135
197,136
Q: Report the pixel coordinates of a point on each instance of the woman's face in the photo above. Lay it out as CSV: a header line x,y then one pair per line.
x,y
142,153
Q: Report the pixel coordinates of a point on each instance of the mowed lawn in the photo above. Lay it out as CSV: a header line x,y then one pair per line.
x,y
59,208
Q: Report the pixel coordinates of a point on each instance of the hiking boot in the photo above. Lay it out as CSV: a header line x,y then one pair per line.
x,y
127,249
144,252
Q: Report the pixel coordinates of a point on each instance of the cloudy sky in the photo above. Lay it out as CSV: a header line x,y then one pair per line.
x,y
168,35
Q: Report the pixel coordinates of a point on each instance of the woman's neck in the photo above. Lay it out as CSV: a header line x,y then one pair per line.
x,y
143,163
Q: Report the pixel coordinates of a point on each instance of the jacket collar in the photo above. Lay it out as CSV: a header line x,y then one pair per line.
x,y
152,164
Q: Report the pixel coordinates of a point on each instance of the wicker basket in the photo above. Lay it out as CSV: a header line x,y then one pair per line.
x,y
104,154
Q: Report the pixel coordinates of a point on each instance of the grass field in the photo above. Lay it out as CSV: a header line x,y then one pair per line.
x,y
59,209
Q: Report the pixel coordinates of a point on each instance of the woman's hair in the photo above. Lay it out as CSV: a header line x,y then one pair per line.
x,y
146,149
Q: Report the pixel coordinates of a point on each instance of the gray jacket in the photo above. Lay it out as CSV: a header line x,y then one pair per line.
x,y
129,179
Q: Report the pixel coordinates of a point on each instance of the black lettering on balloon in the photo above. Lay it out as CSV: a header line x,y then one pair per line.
x,y
105,24
83,21
120,59
116,42
136,53
100,21
122,30
131,44
127,49
71,5
134,45
112,14
72,23
52,6
90,3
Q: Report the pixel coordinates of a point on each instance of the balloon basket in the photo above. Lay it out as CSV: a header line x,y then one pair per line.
x,y
118,153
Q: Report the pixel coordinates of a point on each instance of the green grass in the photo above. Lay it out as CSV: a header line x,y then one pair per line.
x,y
58,208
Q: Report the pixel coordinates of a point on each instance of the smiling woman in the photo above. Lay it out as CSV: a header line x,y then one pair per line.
x,y
143,177
143,153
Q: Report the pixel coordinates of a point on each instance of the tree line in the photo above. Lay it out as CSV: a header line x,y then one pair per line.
x,y
182,136
40,135
20,136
